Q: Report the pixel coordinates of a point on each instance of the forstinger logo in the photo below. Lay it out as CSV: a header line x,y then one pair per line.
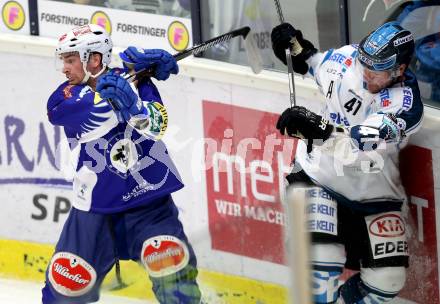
x,y
13,15
178,36
100,18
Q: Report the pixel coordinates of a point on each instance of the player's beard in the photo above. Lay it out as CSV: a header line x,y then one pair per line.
x,y
373,88
376,86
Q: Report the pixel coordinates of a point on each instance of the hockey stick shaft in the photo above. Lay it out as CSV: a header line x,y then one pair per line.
x,y
296,47
243,31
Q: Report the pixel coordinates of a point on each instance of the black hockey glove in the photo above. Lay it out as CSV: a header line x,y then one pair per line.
x,y
281,36
302,123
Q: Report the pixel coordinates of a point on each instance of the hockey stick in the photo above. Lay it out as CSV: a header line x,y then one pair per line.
x,y
296,49
251,48
298,249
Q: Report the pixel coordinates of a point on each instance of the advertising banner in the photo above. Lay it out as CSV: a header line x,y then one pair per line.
x,y
126,27
417,176
246,161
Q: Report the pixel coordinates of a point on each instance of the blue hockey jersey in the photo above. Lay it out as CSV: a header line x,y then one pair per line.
x,y
116,167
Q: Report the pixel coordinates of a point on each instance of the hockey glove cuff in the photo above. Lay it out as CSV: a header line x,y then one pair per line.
x,y
281,37
303,123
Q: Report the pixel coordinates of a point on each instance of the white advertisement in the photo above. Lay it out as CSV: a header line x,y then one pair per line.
x,y
126,27
34,195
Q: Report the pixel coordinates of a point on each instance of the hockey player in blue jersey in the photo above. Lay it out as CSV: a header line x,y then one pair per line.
x,y
350,161
124,177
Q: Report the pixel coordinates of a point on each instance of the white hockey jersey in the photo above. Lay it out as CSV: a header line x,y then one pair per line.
x,y
352,175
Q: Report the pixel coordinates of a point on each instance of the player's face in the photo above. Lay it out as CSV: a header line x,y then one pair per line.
x,y
376,80
72,68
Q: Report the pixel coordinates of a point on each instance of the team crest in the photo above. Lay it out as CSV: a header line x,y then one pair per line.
x,y
67,91
122,155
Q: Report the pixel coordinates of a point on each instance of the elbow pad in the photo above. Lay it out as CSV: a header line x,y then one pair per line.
x,y
365,137
368,137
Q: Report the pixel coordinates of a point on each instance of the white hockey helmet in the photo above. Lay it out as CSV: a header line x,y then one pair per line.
x,y
85,40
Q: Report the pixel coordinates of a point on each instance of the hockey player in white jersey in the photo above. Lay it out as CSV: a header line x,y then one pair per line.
x,y
348,156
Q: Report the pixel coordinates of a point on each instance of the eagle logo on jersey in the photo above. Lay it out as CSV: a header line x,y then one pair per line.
x,y
87,111
96,118
99,113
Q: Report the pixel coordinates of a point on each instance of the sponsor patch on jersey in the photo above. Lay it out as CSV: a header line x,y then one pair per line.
x,y
348,62
337,57
321,212
159,118
385,98
387,225
407,98
70,275
338,119
164,255
67,91
140,189
325,286
387,234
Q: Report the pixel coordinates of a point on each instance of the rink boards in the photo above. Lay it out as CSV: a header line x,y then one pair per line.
x,y
222,138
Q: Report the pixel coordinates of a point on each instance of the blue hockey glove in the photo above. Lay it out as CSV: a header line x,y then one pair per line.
x,y
119,90
369,137
161,61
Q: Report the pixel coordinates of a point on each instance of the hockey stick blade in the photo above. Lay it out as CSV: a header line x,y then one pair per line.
x,y
253,53
243,31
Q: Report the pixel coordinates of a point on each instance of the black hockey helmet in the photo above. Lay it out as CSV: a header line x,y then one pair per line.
x,y
386,48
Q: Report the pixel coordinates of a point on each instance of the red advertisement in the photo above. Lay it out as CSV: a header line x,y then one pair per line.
x,y
247,160
417,177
